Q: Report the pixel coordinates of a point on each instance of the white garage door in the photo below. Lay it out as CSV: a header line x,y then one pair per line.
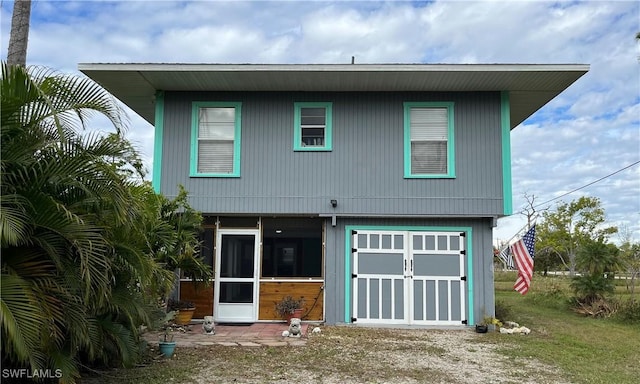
x,y
406,277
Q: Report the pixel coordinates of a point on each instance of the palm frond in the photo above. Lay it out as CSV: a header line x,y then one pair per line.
x,y
21,321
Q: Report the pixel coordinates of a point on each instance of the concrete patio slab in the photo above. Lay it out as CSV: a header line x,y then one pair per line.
x,y
245,335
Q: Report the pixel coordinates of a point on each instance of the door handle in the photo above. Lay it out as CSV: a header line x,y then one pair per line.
x,y
411,265
405,265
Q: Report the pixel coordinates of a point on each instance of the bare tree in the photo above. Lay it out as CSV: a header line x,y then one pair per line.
x,y
17,53
530,210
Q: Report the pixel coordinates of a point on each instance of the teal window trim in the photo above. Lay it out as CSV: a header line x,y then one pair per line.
x,y
347,260
505,121
451,158
297,129
195,109
157,142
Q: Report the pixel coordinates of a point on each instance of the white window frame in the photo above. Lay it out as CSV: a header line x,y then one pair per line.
x,y
447,135
298,144
196,140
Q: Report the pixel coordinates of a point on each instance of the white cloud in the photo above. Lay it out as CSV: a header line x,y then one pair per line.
x,y
590,130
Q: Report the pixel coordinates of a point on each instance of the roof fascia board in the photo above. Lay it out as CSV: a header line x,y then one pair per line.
x,y
179,67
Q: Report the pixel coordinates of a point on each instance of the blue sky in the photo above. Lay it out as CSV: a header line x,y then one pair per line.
x,y
589,131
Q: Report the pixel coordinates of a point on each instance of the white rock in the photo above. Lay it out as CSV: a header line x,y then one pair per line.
x,y
285,333
511,324
316,330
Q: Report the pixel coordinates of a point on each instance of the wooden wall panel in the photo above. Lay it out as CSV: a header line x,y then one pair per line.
x,y
270,293
202,297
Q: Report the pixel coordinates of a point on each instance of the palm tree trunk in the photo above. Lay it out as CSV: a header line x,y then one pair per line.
x,y
17,53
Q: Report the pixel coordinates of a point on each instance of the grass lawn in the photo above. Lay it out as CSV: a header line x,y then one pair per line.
x,y
588,350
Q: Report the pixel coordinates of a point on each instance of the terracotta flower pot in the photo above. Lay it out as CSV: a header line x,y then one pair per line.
x,y
296,313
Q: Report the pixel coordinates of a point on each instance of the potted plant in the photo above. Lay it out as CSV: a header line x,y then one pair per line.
x,y
165,343
289,308
487,323
183,309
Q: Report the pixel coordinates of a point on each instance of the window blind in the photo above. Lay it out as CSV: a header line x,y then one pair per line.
x,y
429,135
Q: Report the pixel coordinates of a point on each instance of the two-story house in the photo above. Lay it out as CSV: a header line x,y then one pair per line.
x,y
370,190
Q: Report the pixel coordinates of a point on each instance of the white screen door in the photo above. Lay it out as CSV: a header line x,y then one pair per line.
x,y
236,287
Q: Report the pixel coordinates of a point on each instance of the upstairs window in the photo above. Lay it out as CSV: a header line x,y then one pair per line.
x,y
312,127
215,139
428,140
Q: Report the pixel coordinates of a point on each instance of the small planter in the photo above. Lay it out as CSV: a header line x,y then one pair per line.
x,y
482,328
183,310
289,308
296,313
167,348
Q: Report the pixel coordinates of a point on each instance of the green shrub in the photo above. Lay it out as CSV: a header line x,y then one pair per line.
x,y
592,288
503,311
629,311
554,288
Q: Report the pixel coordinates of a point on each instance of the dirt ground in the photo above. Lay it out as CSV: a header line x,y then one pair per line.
x,y
370,355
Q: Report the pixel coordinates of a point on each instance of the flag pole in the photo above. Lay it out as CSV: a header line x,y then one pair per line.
x,y
521,230
504,252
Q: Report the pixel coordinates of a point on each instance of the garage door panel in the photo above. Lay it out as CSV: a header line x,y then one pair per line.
x,y
380,240
436,265
374,295
436,242
405,277
454,243
361,241
380,298
430,298
456,314
399,298
419,300
387,301
443,300
381,263
362,290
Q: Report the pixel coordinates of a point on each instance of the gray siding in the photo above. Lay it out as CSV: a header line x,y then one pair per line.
x,y
364,172
482,248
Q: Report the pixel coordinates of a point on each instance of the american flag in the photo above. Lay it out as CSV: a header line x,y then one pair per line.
x,y
522,252
505,256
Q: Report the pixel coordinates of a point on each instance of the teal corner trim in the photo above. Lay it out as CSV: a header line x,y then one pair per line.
x,y
451,145
347,260
347,273
237,145
297,129
157,142
470,290
505,121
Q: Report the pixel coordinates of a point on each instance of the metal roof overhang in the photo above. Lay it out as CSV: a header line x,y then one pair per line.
x,y
530,86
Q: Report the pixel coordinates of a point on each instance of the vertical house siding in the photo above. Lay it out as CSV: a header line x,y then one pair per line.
x,y
363,171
